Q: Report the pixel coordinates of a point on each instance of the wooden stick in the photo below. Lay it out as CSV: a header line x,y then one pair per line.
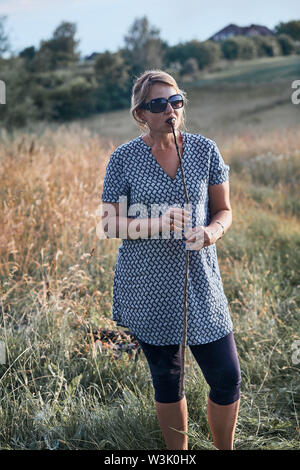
x,y
187,254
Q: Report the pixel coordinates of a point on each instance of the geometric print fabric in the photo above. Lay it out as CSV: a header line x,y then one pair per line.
x,y
148,286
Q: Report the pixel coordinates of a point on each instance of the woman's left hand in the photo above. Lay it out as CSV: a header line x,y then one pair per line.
x,y
198,237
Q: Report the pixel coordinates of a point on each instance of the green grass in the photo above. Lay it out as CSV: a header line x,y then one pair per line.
x,y
256,71
252,96
56,393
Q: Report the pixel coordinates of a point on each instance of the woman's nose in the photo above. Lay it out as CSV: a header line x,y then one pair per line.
x,y
169,107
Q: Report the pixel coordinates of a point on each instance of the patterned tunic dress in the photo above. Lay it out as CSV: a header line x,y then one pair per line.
x,y
148,286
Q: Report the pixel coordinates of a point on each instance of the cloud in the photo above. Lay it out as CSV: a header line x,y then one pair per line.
x,y
10,7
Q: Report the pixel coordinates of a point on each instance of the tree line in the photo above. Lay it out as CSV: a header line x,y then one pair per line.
x,y
53,83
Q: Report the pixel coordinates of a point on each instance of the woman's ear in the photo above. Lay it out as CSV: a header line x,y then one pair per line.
x,y
140,115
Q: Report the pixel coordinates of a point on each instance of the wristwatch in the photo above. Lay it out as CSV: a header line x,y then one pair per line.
x,y
217,222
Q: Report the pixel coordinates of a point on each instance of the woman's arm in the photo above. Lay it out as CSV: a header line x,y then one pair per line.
x,y
115,225
220,208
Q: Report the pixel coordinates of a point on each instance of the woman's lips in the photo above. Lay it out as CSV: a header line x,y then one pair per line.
x,y
171,120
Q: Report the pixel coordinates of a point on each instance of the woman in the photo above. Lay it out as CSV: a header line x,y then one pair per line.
x,y
145,205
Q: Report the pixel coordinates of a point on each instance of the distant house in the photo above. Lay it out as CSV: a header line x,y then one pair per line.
x,y
234,30
92,56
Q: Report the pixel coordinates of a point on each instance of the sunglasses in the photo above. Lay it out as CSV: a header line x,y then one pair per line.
x,y
158,105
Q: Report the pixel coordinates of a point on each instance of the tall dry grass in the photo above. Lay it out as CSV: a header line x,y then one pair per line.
x,y
55,392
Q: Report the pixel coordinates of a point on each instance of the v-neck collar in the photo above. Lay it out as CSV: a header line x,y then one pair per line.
x,y
184,145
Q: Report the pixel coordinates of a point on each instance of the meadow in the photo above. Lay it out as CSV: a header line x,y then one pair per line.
x,y
56,276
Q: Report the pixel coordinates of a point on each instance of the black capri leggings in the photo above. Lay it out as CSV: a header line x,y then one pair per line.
x,y
218,361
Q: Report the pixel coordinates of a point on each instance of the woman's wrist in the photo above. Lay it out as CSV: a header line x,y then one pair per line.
x,y
216,229
221,226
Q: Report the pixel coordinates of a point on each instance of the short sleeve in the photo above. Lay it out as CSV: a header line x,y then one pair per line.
x,y
115,183
218,170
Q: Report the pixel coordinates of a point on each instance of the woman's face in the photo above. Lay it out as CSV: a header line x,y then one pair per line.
x,y
157,121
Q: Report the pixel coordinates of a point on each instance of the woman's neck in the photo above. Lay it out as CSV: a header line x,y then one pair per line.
x,y
162,141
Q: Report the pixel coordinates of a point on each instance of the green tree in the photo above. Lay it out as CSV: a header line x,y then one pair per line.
x,y
205,53
20,107
59,51
178,53
64,44
112,75
190,67
230,48
267,46
247,49
143,47
239,47
286,43
28,53
4,40
291,28
73,98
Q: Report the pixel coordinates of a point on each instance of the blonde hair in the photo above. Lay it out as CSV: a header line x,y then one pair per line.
x,y
142,87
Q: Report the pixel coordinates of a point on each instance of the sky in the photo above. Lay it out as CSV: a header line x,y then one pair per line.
x,y
102,24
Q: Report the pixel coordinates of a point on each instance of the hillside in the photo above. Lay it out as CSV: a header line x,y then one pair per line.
x,y
252,96
60,390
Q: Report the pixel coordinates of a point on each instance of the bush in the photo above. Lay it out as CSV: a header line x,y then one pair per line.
x,y
230,49
205,53
73,99
177,54
247,48
113,84
190,67
292,28
297,47
239,47
19,107
267,46
286,43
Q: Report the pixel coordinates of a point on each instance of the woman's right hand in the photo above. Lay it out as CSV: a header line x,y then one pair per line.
x,y
175,219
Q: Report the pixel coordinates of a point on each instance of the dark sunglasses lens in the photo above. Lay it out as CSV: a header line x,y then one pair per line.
x,y
157,106
176,101
160,104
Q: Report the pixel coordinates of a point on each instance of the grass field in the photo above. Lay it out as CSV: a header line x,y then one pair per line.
x,y
55,392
